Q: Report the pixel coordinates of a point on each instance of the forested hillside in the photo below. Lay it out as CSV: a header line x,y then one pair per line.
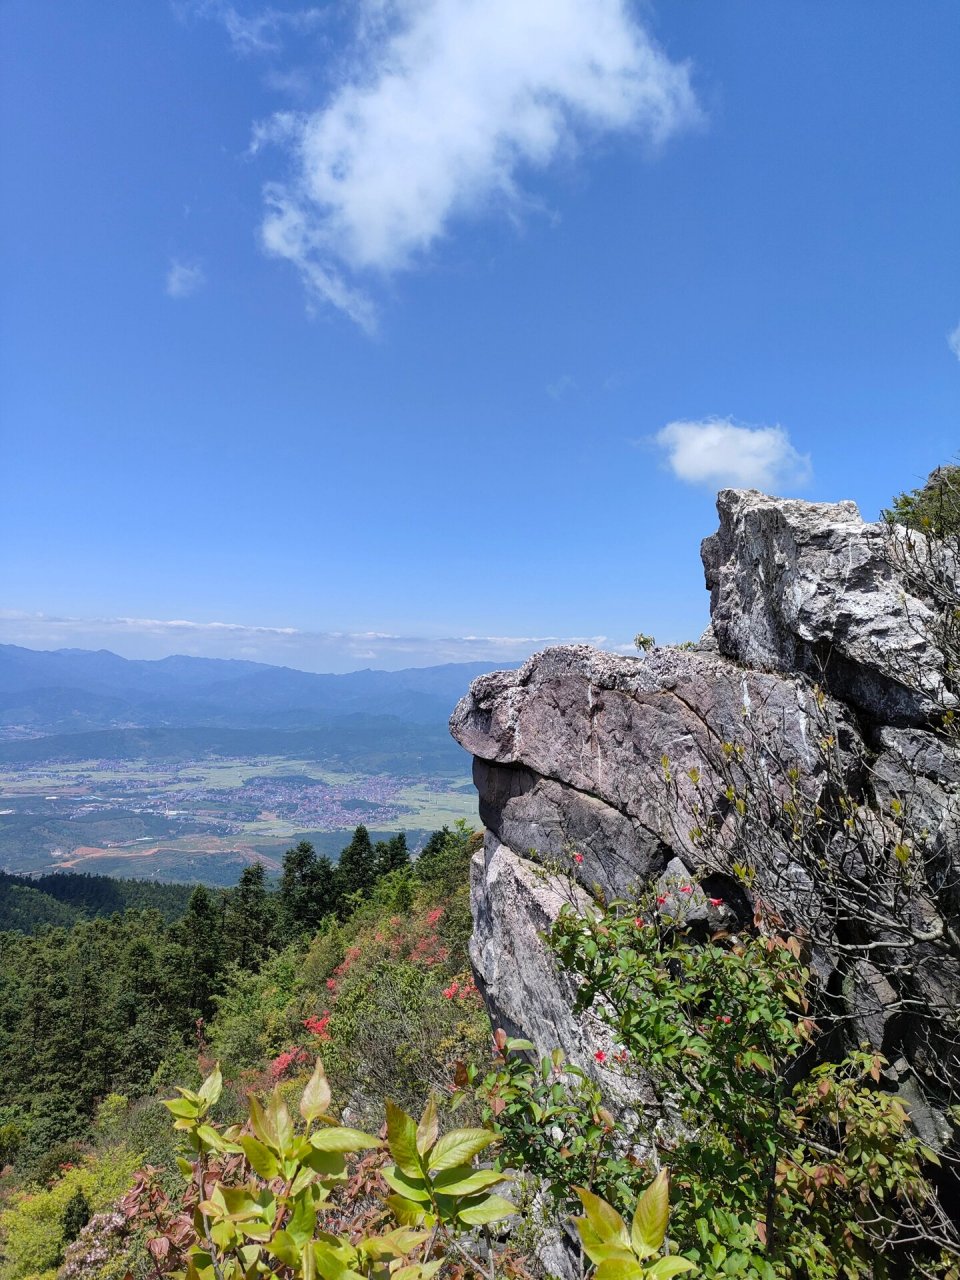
x,y
29,903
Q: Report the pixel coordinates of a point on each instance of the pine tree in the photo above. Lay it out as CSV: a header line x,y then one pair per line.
x,y
392,855
308,891
357,868
247,922
201,934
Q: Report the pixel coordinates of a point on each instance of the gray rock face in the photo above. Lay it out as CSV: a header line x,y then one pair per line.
x,y
622,760
809,587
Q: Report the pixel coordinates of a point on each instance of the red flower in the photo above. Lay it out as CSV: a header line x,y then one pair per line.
x,y
451,991
331,984
578,858
600,1056
715,902
723,1017
639,921
661,899
686,888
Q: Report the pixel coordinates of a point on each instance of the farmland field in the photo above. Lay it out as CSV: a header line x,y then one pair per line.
x,y
206,819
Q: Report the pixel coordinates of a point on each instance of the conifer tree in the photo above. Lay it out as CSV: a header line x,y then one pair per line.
x,y
308,891
248,923
357,868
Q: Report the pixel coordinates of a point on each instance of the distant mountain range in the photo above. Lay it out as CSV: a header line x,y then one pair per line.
x,y
79,703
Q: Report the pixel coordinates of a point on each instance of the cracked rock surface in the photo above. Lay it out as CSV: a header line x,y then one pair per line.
x,y
569,750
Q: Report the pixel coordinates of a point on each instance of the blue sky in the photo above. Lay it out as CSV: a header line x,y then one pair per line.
x,y
399,331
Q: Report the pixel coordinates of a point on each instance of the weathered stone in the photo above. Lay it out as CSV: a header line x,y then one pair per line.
x,y
514,903
808,586
619,760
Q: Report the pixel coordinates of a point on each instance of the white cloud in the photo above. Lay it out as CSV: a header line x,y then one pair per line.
x,y
953,341
448,106
717,452
260,31
184,278
286,646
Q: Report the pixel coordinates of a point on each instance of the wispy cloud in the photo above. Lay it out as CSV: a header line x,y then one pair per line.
x,y
563,386
288,646
447,104
184,278
717,452
953,341
260,31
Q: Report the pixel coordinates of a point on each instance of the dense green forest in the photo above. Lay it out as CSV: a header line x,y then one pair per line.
x,y
27,903
106,986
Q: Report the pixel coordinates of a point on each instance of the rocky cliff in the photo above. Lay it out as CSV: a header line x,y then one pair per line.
x,y
818,695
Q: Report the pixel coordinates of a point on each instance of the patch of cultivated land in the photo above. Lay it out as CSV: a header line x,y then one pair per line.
x,y
205,820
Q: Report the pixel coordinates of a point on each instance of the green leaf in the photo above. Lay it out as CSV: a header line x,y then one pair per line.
x,y
606,1222
182,1107
343,1139
279,1118
651,1215
303,1220
464,1181
408,1212
285,1248
418,1270
261,1159
316,1096
261,1123
457,1147
212,1087
625,1268
489,1209
412,1188
427,1128
402,1140
666,1268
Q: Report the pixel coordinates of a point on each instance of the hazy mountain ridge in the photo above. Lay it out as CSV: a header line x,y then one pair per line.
x,y
77,704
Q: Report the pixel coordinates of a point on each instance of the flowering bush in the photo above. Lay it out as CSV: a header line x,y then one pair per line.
x,y
785,1167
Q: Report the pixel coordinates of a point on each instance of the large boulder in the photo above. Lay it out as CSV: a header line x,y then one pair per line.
x,y
601,769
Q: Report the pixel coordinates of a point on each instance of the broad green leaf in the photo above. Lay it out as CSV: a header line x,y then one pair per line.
x,y
402,1140
303,1220
651,1215
667,1268
457,1147
412,1188
316,1096
286,1249
212,1087
418,1271
427,1128
594,1247
261,1158
489,1209
395,1244
604,1219
464,1181
326,1262
408,1212
329,1164
279,1118
342,1139
182,1107
621,1268
261,1123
